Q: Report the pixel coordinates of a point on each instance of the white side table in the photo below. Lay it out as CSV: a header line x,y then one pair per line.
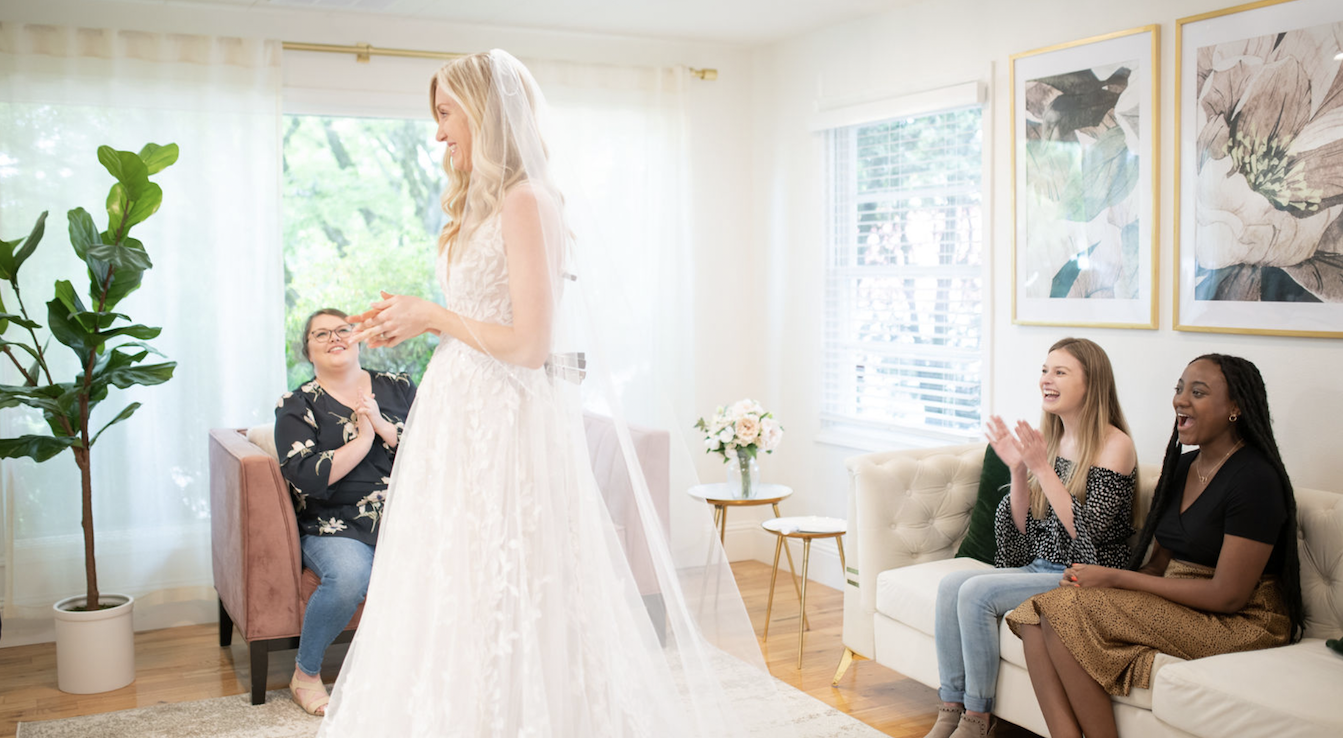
x,y
721,496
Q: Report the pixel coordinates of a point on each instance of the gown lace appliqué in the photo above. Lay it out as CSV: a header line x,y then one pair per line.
x,y
499,603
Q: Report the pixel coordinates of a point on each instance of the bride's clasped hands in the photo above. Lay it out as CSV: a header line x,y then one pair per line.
x,y
397,318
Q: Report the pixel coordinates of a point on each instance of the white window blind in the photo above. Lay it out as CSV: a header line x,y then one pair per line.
x,y
904,290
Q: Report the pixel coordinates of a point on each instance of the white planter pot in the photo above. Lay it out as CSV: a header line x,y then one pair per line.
x,y
95,651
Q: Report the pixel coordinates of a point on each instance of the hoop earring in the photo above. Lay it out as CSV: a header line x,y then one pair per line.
x,y
1234,416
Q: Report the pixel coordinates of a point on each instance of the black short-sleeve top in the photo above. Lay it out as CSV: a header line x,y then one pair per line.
x,y
310,425
1244,498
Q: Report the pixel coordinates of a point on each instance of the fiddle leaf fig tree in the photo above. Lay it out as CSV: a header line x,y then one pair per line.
x,y
109,346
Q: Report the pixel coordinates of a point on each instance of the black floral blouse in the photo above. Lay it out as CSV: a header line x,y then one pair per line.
x,y
310,425
1104,524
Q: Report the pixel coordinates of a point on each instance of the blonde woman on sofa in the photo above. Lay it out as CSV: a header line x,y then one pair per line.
x,y
337,435
1054,516
1223,575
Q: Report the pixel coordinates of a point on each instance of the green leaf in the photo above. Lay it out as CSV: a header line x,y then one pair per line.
x,y
69,332
83,233
157,158
26,348
20,321
147,349
126,413
33,373
128,168
42,398
37,448
134,331
145,205
118,202
148,375
30,243
96,322
7,271
122,256
124,282
65,292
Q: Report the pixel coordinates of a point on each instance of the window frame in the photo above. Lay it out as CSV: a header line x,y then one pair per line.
x,y
856,433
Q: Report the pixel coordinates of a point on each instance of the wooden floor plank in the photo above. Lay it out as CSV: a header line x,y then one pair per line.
x,y
185,664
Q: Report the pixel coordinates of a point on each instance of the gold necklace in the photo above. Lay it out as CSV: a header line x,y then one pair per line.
x,y
1203,478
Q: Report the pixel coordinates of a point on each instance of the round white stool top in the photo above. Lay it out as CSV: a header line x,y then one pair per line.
x,y
723,494
806,525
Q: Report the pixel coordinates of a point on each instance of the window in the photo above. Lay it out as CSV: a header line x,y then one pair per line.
x,y
904,280
361,214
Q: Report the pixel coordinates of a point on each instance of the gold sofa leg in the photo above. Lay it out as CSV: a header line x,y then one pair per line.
x,y
845,662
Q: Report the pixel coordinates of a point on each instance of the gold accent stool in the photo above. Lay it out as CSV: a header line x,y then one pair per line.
x,y
807,529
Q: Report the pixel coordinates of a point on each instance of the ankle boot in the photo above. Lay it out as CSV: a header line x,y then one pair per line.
x,y
975,727
947,720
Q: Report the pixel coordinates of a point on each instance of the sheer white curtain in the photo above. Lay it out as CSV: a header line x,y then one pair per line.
x,y
216,289
622,153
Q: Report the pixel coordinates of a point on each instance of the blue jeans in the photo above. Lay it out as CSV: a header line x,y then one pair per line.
x,y
344,566
969,604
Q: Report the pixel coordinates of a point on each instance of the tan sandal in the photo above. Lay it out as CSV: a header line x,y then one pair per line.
x,y
315,701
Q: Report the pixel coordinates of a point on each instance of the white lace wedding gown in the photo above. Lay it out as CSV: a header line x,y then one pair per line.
x,y
499,604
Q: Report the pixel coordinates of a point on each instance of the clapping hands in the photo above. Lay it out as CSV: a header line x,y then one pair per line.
x,y
369,417
1025,448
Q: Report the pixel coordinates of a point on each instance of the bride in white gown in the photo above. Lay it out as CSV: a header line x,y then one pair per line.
x,y
501,601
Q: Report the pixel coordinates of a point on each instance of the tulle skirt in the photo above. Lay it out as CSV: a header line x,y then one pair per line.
x,y
500,602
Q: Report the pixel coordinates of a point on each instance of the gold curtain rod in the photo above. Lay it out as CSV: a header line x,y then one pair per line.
x,y
364,52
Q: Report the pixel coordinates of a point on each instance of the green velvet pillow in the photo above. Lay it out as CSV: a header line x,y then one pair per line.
x,y
994,479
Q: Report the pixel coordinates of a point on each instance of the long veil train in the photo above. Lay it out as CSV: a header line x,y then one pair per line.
x,y
504,601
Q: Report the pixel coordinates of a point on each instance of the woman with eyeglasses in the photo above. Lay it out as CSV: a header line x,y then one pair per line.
x,y
337,437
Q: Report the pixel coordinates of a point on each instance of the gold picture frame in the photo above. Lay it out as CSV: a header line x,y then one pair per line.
x,y
1256,265
1086,181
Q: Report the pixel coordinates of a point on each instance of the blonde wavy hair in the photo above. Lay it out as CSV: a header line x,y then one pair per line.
x,y
1100,410
472,197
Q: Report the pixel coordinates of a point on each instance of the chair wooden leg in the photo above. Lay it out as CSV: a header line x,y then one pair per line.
x,y
259,651
225,627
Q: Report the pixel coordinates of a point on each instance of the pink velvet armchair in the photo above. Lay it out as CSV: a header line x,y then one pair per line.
x,y
259,575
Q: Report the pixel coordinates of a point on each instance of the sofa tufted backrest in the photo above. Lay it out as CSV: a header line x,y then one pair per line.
x,y
1319,517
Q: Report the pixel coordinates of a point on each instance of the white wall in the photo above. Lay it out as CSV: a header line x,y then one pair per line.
x,y
934,44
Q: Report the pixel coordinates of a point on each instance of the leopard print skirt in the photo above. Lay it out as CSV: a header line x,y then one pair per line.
x,y
1115,634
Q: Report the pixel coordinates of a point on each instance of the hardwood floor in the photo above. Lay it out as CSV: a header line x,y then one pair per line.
x,y
185,664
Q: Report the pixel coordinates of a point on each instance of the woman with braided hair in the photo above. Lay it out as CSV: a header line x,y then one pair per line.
x,y
1223,574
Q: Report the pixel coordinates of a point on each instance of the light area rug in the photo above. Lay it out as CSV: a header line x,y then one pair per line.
x,y
801,716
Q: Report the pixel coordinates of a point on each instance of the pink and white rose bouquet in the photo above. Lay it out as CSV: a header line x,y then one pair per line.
x,y
741,430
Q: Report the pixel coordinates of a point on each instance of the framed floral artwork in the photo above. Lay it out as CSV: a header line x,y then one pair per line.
x,y
1084,181
1259,169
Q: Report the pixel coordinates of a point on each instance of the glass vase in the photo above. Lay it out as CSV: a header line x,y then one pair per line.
x,y
743,475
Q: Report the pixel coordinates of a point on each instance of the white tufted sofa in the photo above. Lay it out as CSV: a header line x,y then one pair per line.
x,y
909,510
